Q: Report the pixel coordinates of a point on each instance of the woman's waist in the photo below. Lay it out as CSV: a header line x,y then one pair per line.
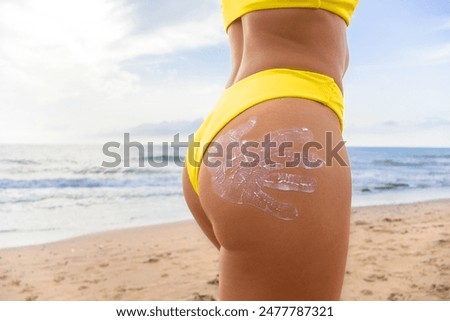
x,y
258,63
300,42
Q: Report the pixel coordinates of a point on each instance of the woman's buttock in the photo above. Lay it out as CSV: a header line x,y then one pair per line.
x,y
277,176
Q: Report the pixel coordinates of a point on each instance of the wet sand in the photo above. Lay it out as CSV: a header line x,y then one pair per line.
x,y
397,252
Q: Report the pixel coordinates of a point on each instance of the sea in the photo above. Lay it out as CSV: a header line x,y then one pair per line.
x,y
55,192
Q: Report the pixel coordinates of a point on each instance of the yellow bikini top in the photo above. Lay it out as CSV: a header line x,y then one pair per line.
x,y
234,9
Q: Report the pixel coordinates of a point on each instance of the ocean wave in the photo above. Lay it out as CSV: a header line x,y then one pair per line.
x,y
390,186
162,157
19,161
110,171
390,162
97,170
8,231
23,200
384,187
122,170
423,185
47,229
83,183
445,156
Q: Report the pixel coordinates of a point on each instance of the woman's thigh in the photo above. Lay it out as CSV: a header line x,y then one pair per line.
x,y
278,198
193,202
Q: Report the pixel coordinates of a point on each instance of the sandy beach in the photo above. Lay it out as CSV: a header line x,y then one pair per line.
x,y
397,252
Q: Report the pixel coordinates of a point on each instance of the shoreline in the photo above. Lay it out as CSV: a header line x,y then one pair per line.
x,y
396,252
192,219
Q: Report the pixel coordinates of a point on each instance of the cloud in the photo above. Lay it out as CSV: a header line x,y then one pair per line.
x,y
63,61
51,50
170,39
390,123
55,49
439,54
167,128
412,134
73,69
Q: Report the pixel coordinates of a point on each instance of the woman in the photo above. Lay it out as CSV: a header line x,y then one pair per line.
x,y
267,178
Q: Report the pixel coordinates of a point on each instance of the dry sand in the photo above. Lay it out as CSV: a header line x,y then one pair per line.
x,y
397,252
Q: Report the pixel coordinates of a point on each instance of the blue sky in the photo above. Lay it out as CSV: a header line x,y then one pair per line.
x,y
80,71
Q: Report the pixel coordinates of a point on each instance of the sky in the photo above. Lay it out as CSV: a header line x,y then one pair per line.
x,y
81,71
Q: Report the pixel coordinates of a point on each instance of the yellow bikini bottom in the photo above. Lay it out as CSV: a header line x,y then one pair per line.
x,y
257,88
